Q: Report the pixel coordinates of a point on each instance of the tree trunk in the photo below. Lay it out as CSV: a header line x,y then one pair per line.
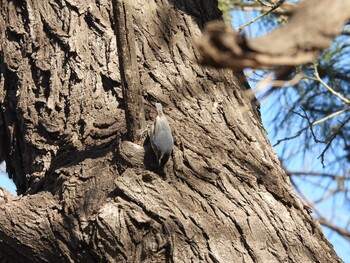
x,y
87,194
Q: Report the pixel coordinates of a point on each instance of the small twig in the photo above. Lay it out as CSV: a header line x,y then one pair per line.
x,y
264,4
297,113
291,137
312,124
297,133
341,231
268,81
333,176
275,6
292,82
261,86
332,138
330,116
326,196
311,129
345,100
285,10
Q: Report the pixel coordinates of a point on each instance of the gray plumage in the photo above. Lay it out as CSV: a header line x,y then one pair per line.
x,y
161,138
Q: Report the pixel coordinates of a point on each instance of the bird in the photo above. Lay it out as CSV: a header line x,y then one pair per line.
x,y
162,141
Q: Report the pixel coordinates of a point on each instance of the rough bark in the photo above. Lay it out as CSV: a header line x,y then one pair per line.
x,y
87,195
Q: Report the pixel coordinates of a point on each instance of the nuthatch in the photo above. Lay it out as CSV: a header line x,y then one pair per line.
x,y
161,139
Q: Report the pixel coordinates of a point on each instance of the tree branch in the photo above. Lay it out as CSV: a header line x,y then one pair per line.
x,y
310,173
309,31
132,91
334,135
341,231
272,8
343,99
284,10
311,124
27,229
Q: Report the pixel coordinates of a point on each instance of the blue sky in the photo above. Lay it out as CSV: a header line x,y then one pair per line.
x,y
7,183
